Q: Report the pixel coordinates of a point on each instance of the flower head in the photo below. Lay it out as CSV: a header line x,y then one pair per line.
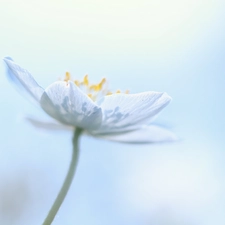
x,y
116,116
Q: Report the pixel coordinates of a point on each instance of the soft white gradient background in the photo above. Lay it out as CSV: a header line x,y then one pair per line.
x,y
173,46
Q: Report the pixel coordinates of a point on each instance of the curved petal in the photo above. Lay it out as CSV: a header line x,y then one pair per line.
x,y
144,135
68,104
123,112
23,79
48,125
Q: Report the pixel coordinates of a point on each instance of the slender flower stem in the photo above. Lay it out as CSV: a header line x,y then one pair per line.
x,y
68,180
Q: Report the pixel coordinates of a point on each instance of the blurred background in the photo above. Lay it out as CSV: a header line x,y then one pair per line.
x,y
173,46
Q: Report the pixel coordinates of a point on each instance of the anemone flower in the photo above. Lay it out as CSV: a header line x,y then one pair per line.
x,y
92,110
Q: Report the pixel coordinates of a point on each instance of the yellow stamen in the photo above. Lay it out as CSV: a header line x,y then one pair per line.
x,y
86,81
109,93
101,83
93,87
98,87
94,91
67,76
77,82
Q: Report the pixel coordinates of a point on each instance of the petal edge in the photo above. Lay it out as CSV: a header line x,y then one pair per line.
x,y
144,135
23,79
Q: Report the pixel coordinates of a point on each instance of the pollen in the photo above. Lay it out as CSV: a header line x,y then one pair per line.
x,y
93,91
67,76
109,93
86,81
90,95
93,87
77,82
102,83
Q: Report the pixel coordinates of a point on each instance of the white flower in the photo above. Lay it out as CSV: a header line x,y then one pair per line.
x,y
117,117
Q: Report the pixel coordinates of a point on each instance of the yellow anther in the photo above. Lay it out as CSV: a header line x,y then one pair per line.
x,y
117,92
90,95
85,81
109,93
127,92
98,87
101,83
67,76
93,87
103,80
77,82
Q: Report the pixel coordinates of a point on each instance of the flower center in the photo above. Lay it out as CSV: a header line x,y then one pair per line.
x,y
94,91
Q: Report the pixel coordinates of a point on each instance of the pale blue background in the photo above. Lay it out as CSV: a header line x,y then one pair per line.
x,y
173,46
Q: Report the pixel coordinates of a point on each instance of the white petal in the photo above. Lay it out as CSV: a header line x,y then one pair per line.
x,y
125,112
147,134
23,79
68,104
48,125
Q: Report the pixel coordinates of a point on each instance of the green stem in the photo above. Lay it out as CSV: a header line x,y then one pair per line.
x,y
68,180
